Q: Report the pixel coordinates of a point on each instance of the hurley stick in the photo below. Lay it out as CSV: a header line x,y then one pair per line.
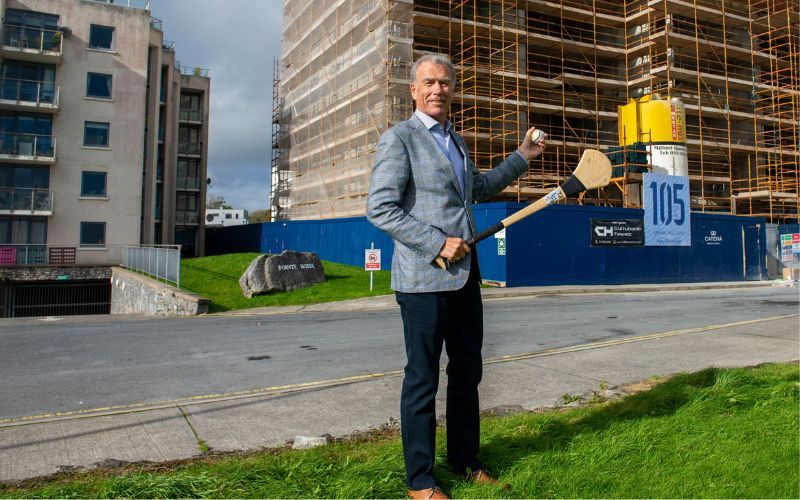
x,y
592,172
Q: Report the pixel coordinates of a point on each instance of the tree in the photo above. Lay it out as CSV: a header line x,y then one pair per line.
x,y
217,202
259,216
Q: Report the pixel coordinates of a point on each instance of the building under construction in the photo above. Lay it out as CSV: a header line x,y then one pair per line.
x,y
564,66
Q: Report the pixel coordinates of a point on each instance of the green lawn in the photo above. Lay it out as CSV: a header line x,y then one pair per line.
x,y
217,278
715,433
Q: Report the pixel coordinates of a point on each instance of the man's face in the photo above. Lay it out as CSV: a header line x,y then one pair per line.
x,y
433,90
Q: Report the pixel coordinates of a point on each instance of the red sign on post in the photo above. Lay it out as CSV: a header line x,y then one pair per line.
x,y
372,259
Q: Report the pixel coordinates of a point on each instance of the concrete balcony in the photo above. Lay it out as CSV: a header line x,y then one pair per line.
x,y
31,44
30,149
26,201
27,95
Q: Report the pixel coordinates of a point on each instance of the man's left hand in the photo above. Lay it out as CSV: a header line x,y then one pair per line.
x,y
529,150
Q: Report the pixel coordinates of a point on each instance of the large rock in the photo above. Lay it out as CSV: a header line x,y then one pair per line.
x,y
287,271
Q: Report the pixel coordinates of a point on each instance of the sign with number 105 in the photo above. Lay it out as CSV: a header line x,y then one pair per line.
x,y
667,218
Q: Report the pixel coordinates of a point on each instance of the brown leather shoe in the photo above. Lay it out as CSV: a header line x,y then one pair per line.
x,y
430,493
482,477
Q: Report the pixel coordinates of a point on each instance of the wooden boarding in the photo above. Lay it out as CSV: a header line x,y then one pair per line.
x,y
61,255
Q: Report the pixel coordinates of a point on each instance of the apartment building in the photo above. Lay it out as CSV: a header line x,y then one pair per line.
x,y
564,66
103,135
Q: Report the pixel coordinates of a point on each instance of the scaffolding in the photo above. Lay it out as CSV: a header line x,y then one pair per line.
x,y
344,82
562,65
770,187
281,175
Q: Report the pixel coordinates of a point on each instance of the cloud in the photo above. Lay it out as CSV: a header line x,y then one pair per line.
x,y
237,41
240,191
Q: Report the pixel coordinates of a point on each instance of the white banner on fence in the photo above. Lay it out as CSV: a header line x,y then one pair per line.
x,y
667,215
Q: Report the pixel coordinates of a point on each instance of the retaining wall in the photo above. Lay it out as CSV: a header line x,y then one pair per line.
x,y
132,293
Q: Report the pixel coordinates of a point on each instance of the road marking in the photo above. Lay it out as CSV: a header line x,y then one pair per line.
x,y
280,390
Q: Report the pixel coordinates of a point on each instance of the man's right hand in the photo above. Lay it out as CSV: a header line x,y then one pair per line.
x,y
454,249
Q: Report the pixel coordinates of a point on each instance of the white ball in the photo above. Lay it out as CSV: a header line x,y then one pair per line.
x,y
537,136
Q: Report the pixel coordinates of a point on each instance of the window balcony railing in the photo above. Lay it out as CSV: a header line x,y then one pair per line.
x,y
190,148
29,91
190,115
26,201
36,39
37,146
156,23
188,182
133,4
183,217
23,255
191,70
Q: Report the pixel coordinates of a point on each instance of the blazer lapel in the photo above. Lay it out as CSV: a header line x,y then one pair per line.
x,y
442,161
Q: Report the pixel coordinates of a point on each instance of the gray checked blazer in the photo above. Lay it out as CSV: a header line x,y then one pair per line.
x,y
414,197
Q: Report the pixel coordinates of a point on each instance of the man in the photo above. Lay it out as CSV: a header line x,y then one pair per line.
x,y
422,190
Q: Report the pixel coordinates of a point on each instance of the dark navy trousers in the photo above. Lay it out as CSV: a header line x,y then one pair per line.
x,y
430,320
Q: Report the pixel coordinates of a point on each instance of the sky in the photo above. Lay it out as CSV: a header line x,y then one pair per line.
x,y
236,40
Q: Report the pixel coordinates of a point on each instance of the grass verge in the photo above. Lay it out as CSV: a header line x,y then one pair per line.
x,y
217,278
714,433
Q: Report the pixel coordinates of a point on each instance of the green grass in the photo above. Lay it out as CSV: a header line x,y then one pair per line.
x,y
217,278
714,433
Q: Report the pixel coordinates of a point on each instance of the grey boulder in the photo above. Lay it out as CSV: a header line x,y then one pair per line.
x,y
284,272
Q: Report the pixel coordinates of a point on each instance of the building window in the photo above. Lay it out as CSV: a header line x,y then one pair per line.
x,y
93,184
101,37
31,30
93,234
20,123
189,140
23,176
186,202
190,108
23,230
28,81
227,216
95,134
98,85
188,174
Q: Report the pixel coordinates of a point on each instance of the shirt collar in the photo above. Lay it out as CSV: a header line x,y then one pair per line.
x,y
431,122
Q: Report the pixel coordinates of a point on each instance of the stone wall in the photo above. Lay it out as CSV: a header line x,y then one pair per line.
x,y
132,293
59,273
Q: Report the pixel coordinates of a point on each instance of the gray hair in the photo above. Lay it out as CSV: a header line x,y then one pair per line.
x,y
439,59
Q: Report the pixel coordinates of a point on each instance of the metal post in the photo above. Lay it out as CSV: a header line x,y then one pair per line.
x,y
178,262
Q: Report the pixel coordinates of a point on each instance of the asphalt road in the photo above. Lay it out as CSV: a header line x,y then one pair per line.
x,y
67,365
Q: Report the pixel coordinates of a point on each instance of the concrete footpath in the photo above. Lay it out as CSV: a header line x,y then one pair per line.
x,y
250,420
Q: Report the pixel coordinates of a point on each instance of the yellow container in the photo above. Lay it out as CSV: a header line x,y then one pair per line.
x,y
661,125
652,119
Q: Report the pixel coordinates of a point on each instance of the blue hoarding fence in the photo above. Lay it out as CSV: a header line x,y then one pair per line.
x,y
551,248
